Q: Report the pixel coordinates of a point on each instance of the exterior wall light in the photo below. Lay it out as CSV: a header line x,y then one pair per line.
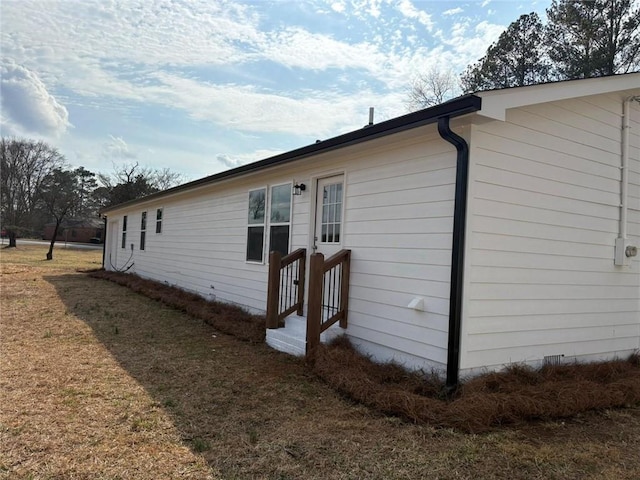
x,y
298,188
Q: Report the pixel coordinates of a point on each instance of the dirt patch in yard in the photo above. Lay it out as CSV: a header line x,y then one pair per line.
x,y
98,382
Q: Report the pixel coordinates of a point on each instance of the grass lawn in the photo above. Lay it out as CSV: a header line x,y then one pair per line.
x,y
97,382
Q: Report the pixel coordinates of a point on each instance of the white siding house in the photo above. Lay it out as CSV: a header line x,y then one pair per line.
x,y
494,228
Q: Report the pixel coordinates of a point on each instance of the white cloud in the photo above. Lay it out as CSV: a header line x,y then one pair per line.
x,y
237,160
295,47
366,8
453,11
117,149
409,10
247,109
211,61
184,33
338,6
469,43
27,104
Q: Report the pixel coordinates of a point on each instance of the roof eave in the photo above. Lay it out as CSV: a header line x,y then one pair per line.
x,y
453,108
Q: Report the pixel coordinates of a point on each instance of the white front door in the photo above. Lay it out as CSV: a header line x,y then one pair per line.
x,y
328,232
328,237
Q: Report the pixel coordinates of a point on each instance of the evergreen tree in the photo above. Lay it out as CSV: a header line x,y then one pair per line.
x,y
594,37
518,58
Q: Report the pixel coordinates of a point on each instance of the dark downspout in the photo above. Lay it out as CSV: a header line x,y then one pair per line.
x,y
104,242
457,252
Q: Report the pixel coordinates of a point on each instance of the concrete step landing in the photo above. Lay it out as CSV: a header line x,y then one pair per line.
x,y
292,338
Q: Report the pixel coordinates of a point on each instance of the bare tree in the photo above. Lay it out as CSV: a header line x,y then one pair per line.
x,y
59,197
24,164
432,88
131,181
165,178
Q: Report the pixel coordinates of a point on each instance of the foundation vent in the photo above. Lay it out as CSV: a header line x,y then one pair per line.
x,y
552,360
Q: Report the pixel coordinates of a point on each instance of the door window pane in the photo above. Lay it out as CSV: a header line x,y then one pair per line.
x,y
331,213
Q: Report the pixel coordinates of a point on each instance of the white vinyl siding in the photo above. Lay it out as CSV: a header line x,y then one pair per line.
x,y
399,230
544,216
398,223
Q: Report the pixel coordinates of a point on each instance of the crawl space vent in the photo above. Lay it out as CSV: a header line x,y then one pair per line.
x,y
551,360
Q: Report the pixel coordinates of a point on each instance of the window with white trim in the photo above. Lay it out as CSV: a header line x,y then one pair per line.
x,y
143,229
256,219
159,220
280,218
124,232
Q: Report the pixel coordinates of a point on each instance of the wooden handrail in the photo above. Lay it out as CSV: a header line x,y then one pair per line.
x,y
335,259
277,309
318,268
293,256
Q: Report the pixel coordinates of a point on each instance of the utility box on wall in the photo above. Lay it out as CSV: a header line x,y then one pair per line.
x,y
624,251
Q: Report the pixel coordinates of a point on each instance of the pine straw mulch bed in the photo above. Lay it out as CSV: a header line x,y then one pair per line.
x,y
515,396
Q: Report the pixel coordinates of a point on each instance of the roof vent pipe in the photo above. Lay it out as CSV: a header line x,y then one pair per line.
x,y
370,116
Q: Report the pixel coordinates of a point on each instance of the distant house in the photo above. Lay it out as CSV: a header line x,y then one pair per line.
x,y
494,228
82,231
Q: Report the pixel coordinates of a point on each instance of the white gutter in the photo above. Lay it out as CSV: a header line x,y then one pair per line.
x,y
623,251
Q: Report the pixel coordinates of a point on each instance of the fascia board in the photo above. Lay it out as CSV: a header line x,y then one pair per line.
x,y
495,103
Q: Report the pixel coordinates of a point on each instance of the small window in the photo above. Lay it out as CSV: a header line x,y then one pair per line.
x,y
255,225
124,232
143,229
280,218
159,220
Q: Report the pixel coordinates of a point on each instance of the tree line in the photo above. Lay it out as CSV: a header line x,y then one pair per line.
x,y
580,39
37,187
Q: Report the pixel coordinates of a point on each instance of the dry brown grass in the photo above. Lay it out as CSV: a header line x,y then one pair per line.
x,y
99,382
223,317
517,395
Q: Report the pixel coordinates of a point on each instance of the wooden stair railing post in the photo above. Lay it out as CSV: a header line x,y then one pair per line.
x,y
314,309
301,279
273,290
344,288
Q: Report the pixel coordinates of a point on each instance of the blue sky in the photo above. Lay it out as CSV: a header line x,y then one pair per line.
x,y
200,86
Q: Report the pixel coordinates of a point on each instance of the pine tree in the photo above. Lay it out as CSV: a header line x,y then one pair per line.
x,y
518,58
593,38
